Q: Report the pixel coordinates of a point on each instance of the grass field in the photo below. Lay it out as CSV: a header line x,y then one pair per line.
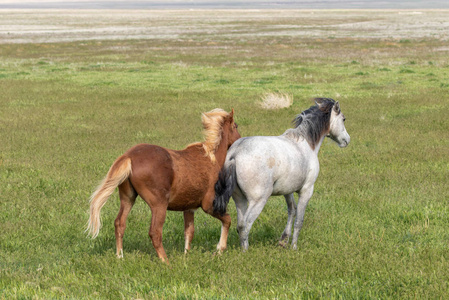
x,y
376,226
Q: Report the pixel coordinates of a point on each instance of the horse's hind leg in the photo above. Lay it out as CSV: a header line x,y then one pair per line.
x,y
158,214
304,196
158,202
291,206
189,229
241,205
127,200
254,209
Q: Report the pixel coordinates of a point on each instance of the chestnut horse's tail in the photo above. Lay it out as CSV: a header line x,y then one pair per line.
x,y
119,172
224,187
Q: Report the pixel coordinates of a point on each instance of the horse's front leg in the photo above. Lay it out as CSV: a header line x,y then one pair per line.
x,y
225,225
291,206
189,229
304,196
225,219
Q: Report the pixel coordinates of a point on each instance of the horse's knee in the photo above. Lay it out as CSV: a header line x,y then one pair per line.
x,y
119,226
292,210
240,228
152,234
226,221
156,237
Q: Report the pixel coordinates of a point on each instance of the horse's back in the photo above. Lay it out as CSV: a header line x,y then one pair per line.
x,y
271,163
272,152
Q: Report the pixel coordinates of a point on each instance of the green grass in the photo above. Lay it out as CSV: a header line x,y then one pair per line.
x,y
376,226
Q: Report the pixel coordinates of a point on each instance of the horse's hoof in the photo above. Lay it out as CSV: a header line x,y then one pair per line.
x,y
120,254
283,244
219,252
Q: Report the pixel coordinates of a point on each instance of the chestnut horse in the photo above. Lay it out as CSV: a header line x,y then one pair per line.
x,y
169,180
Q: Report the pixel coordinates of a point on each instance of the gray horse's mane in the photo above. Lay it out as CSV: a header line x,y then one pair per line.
x,y
312,123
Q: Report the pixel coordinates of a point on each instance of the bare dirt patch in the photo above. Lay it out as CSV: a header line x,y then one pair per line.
x,y
50,26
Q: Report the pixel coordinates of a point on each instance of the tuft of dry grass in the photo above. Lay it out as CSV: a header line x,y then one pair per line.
x,y
276,100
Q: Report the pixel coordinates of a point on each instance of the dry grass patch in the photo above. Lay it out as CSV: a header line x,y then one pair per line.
x,y
276,100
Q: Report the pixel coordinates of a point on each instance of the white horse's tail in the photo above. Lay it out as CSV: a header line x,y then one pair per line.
x,y
224,187
119,172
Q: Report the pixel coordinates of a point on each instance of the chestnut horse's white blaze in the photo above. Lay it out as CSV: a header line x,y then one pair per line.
x,y
260,166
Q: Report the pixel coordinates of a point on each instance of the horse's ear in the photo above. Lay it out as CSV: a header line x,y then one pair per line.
x,y
337,107
232,114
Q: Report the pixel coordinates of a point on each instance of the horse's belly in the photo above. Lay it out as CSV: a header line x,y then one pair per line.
x,y
287,186
184,200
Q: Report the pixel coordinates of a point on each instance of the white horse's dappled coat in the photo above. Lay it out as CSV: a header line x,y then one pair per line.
x,y
260,166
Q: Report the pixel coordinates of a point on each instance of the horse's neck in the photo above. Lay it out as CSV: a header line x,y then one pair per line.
x,y
222,149
318,145
297,135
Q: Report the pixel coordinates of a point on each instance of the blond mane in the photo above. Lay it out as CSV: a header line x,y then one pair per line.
x,y
213,126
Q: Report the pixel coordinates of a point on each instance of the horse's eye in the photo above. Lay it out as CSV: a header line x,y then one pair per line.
x,y
236,126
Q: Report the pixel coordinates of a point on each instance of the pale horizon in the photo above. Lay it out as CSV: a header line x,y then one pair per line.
x,y
229,4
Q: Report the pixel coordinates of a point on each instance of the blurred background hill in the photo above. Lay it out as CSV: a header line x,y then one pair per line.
x,y
229,4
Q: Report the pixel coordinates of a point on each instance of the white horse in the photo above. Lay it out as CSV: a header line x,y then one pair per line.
x,y
260,166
